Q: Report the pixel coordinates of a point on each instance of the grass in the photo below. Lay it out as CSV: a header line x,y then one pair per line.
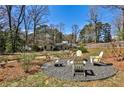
x,y
42,80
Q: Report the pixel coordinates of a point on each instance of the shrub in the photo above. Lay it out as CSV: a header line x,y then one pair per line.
x,y
35,48
82,48
26,59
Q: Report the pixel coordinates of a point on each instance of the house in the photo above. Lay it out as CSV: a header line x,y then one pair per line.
x,y
65,45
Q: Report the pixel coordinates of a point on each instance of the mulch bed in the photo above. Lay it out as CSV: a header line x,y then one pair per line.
x,y
14,70
117,64
11,71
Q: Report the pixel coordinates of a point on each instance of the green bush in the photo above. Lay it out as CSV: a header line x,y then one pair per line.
x,y
82,48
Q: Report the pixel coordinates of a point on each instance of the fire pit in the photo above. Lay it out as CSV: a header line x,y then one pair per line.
x,y
66,72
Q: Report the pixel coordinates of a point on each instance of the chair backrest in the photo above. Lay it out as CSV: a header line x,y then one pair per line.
x,y
71,62
78,53
101,54
78,66
57,61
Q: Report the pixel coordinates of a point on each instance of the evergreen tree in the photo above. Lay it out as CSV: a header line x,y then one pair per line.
x,y
107,32
99,30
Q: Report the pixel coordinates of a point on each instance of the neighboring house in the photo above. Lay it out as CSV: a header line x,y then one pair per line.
x,y
116,38
48,39
27,48
65,45
90,37
61,46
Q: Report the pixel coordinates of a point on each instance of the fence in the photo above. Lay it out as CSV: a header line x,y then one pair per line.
x,y
105,45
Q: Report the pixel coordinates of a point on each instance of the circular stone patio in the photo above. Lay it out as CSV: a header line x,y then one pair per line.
x,y
66,72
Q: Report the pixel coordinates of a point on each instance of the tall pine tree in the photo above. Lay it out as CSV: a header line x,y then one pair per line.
x,y
107,32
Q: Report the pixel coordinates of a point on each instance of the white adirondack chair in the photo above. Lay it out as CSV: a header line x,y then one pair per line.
x,y
96,58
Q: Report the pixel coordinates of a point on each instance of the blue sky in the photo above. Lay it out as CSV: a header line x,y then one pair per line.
x,y
74,14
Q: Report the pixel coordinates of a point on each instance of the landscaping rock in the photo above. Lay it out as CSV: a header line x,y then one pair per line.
x,y
40,57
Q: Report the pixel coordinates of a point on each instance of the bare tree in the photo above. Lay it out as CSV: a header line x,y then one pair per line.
x,y
2,31
61,29
38,14
3,19
94,19
45,31
8,11
120,7
9,14
52,27
13,17
18,18
27,23
75,31
118,24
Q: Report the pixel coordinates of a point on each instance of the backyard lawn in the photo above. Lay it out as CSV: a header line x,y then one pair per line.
x,y
13,73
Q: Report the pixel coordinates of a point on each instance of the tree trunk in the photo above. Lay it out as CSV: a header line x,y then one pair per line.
x,y
34,41
9,9
95,32
75,38
45,38
16,36
26,32
123,24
